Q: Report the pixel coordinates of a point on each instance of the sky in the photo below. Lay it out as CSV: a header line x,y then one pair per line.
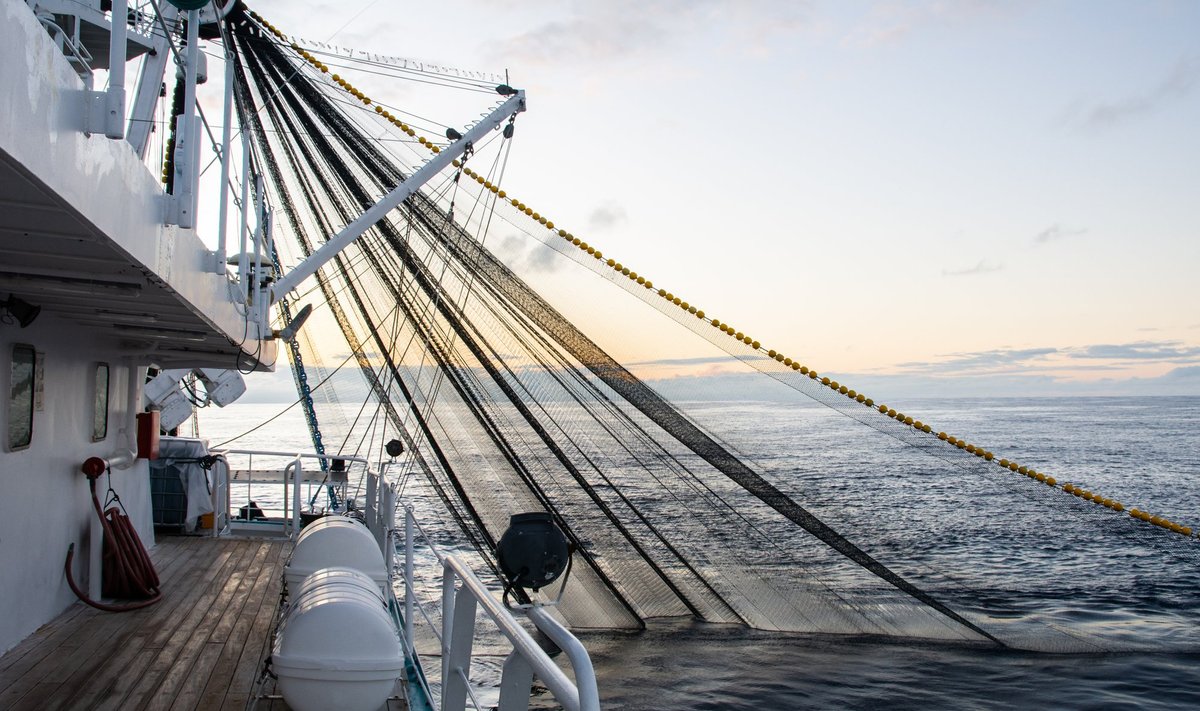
x,y
971,197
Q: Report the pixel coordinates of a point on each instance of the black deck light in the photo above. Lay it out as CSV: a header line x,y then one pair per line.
x,y
394,448
22,311
533,552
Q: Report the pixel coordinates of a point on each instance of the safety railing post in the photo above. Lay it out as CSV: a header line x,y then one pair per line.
x,y
516,678
219,474
288,481
409,589
251,287
369,506
244,223
388,523
296,497
187,133
457,645
447,616
226,131
114,98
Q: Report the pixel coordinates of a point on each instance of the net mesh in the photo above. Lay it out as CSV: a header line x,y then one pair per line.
x,y
506,406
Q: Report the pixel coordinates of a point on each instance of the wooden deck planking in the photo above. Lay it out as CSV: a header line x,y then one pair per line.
x,y
63,665
92,633
197,649
245,668
167,672
249,666
169,638
61,660
120,684
235,636
49,637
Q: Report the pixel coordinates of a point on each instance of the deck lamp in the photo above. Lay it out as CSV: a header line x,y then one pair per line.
x,y
19,310
533,552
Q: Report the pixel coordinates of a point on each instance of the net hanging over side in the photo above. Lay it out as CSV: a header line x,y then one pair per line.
x,y
507,406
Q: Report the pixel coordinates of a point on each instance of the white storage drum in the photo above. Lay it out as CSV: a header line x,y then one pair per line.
x,y
337,647
335,541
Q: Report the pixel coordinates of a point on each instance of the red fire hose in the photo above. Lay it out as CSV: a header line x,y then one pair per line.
x,y
127,570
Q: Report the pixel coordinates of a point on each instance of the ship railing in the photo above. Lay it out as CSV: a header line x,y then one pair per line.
x,y
143,17
294,480
463,593
69,44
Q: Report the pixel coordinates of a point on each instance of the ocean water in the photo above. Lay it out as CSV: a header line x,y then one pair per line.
x,y
1123,616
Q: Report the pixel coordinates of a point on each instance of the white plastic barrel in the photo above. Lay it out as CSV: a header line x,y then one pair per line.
x,y
337,647
335,541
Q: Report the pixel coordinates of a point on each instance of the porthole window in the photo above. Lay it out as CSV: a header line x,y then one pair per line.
x,y
20,397
100,404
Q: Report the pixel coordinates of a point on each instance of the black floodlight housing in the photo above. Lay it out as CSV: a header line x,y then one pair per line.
x,y
20,310
394,448
533,552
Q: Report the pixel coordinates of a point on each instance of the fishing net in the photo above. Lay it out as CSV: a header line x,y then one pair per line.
x,y
505,405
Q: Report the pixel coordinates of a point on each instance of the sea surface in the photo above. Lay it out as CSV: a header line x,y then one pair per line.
x,y
1045,568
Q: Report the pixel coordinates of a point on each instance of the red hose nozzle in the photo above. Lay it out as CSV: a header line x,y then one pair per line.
x,y
94,467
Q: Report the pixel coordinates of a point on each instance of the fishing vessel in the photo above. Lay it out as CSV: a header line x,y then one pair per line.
x,y
153,253
105,280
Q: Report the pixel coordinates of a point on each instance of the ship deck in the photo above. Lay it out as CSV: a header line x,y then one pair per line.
x,y
201,647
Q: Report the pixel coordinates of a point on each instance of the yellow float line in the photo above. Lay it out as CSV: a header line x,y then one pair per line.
x,y
730,330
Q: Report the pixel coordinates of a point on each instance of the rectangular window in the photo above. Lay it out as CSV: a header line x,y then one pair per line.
x,y
100,407
20,397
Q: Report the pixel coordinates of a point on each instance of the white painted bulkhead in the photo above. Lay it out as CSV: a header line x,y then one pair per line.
x,y
45,504
83,236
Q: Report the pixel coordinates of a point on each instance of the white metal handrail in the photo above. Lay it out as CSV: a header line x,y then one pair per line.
x,y
518,672
527,658
459,605
293,476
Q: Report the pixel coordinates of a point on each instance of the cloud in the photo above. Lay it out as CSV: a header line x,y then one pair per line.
x,y
890,22
607,216
1187,374
1165,351
517,252
580,40
592,32
1180,81
1056,232
1098,357
1000,358
697,361
983,267
735,387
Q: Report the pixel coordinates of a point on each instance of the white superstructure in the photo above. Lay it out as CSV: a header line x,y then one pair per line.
x,y
84,236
